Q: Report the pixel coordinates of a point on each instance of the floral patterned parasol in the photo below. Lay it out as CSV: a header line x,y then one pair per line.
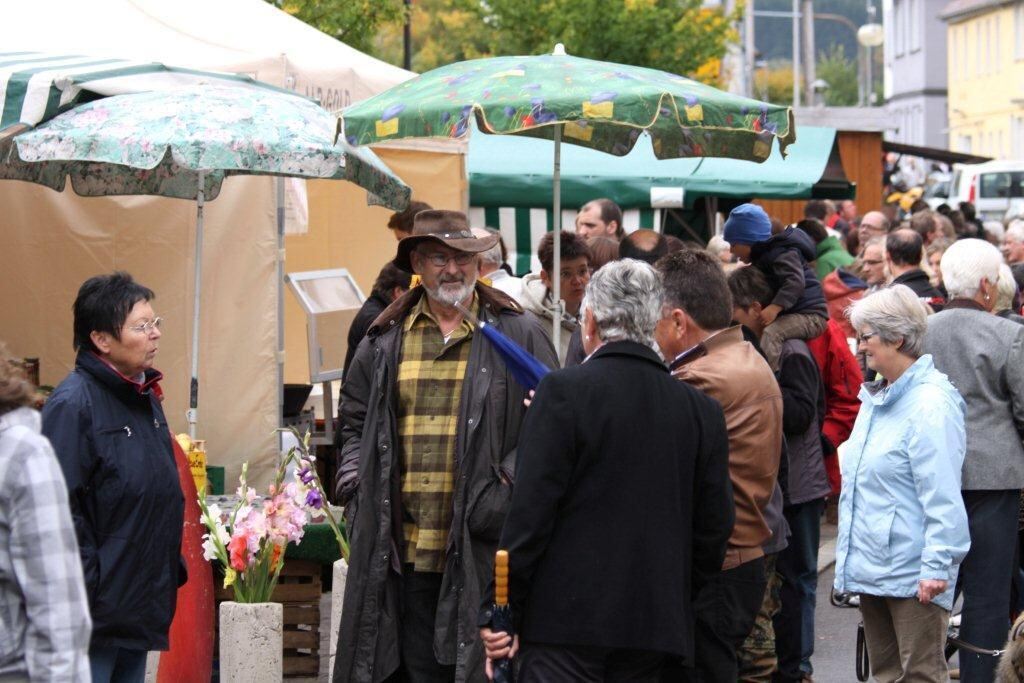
x,y
156,142
600,105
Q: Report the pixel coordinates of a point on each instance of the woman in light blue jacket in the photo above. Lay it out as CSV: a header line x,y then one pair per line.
x,y
902,523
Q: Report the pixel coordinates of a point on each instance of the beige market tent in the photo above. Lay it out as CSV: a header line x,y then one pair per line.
x,y
54,241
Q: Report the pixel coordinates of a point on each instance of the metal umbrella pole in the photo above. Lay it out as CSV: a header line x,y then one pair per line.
x,y
556,224
193,402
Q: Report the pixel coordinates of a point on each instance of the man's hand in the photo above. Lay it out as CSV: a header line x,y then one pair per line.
x,y
929,588
497,645
770,313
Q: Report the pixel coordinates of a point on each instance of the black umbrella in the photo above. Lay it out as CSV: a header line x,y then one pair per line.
x,y
501,616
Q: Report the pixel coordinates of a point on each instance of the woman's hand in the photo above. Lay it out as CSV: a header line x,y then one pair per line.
x,y
929,588
497,645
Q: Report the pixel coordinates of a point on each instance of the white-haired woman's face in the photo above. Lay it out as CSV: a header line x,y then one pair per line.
x,y
881,356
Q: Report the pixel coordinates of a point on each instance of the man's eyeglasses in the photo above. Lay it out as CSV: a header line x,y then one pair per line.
x,y
875,228
462,258
872,262
863,338
148,326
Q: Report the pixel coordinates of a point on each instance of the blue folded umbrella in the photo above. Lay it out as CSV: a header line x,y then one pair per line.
x,y
523,365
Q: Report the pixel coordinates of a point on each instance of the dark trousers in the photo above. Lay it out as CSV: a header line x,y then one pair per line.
x,y
986,574
798,567
117,665
543,663
420,592
725,609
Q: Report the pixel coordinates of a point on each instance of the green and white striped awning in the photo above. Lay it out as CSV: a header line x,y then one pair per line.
x,y
36,86
522,228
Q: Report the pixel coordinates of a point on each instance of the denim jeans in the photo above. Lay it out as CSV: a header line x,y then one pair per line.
x,y
117,665
986,574
798,566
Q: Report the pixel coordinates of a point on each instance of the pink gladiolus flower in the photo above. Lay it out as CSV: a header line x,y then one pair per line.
x,y
238,548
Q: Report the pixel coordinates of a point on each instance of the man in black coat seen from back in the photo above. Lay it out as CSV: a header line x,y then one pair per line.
x,y
622,504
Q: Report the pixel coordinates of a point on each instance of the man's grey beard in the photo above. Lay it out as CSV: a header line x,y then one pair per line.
x,y
449,296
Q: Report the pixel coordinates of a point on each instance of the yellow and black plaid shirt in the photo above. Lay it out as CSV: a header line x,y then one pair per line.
x,y
430,376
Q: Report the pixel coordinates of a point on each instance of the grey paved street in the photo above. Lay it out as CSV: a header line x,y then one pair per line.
x,y
835,628
835,636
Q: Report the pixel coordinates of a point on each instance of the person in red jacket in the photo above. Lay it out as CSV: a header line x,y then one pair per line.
x,y
842,377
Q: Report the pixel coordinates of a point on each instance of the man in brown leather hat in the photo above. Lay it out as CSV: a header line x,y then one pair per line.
x,y
429,424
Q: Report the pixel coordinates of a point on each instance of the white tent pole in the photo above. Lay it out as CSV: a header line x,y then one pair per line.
x,y
193,410
556,225
280,306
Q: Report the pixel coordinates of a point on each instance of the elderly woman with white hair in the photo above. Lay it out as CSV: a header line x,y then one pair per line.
x,y
1006,296
614,451
902,522
983,355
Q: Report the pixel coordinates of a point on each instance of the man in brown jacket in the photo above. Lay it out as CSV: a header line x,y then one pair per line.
x,y
704,350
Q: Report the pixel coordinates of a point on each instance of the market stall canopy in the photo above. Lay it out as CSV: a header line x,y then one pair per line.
x,y
514,172
36,86
240,36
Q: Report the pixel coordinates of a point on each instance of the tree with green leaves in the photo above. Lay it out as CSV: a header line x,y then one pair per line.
x,y
679,36
841,75
353,22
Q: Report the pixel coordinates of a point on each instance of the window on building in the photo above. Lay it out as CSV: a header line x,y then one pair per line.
x,y
977,48
1018,31
916,25
899,14
988,47
1017,136
996,54
964,51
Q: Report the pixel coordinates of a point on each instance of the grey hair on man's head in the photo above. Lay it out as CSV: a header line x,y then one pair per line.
x,y
624,299
896,315
492,255
1006,289
966,263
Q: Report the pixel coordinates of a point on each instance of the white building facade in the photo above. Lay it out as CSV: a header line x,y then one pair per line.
x,y
915,72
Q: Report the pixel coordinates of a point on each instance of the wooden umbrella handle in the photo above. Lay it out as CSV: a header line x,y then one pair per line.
x,y
501,578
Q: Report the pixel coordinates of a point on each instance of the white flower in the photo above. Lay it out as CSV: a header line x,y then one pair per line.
x,y
209,548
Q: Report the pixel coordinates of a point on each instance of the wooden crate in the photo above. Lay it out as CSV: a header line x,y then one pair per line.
x,y
298,590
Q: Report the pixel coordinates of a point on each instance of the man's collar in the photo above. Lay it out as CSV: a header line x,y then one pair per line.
x,y
422,307
729,335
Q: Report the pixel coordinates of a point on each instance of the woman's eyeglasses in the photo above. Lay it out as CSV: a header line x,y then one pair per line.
x,y
148,326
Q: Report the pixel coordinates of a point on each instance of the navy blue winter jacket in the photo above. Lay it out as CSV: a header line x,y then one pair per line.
x,y
785,260
114,447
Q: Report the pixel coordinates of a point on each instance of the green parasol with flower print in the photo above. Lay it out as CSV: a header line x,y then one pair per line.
x,y
601,105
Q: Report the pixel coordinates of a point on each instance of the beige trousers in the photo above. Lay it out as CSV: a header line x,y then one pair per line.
x,y
906,640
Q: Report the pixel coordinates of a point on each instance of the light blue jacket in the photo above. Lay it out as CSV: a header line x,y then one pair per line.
x,y
901,514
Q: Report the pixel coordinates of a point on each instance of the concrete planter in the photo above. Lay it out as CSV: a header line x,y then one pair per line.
x,y
250,642
337,598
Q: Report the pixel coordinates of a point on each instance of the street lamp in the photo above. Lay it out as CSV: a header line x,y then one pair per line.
x,y
870,35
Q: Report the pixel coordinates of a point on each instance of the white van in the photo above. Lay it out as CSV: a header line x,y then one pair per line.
x,y
989,186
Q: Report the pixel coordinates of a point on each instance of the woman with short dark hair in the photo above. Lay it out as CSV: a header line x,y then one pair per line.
x,y
111,438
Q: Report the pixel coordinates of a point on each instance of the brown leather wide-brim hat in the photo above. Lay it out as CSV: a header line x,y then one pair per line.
x,y
450,228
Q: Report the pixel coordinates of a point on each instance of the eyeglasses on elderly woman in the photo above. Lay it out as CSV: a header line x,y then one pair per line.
x,y
148,326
